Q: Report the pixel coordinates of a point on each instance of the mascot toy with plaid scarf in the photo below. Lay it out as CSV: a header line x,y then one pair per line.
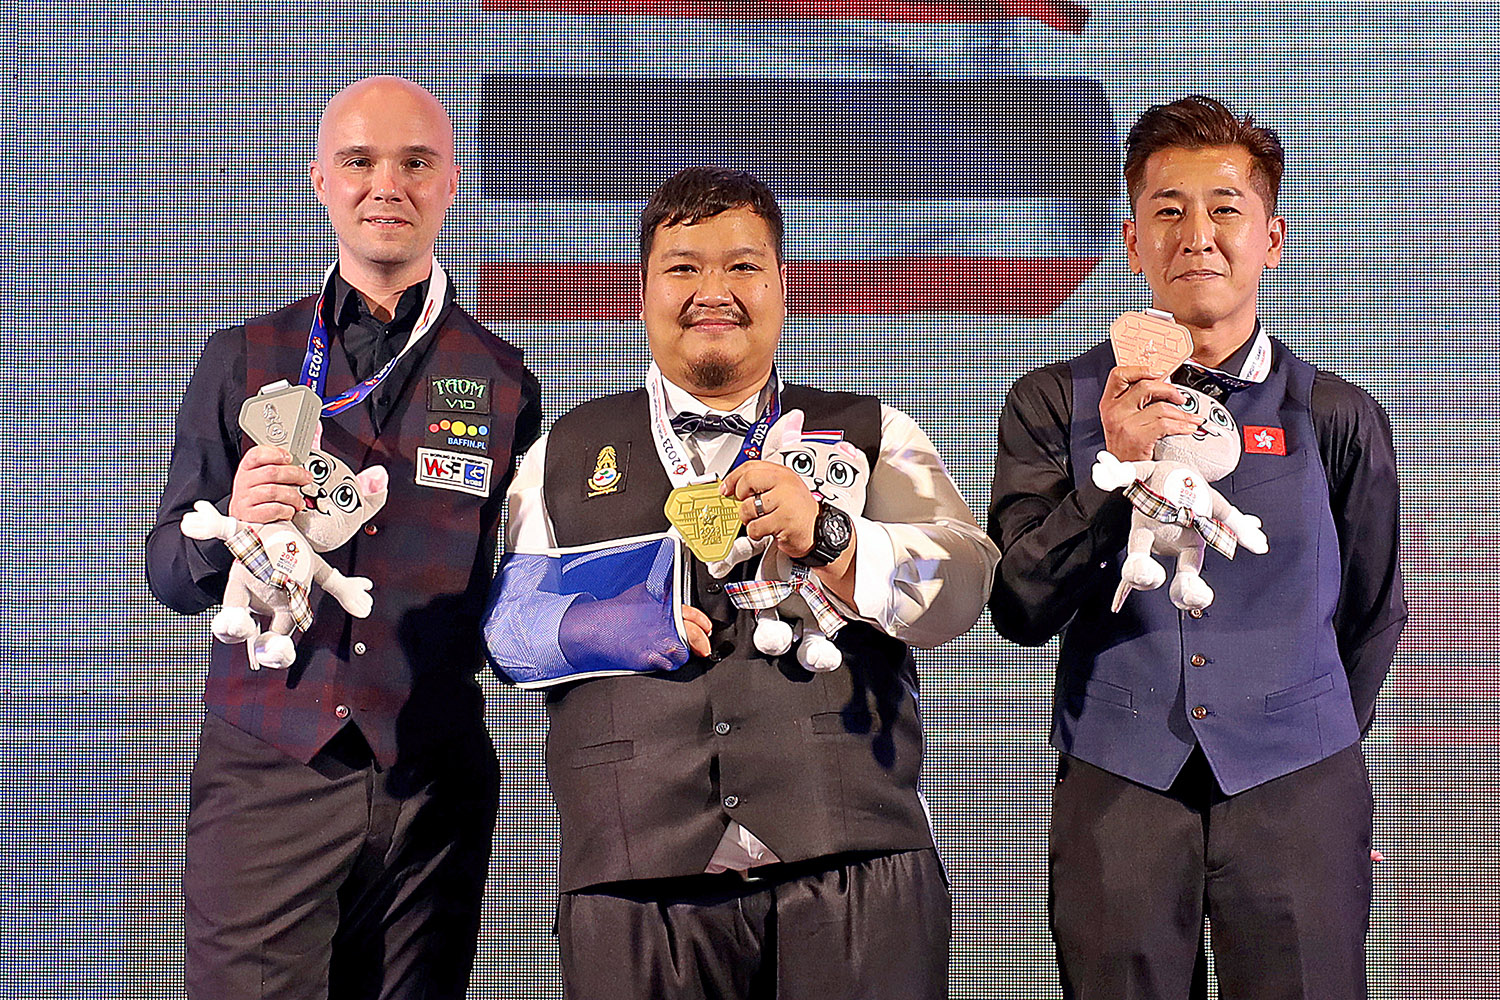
x,y
1176,512
275,564
835,471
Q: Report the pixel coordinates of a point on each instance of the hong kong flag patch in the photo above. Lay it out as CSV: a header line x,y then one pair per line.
x,y
1265,440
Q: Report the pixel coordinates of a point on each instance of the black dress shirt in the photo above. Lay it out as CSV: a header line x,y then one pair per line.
x,y
1053,537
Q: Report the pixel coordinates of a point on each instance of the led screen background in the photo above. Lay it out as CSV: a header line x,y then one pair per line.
x,y
953,214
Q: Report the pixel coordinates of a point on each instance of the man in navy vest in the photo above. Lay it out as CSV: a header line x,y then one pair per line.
x,y
742,826
342,810
1210,758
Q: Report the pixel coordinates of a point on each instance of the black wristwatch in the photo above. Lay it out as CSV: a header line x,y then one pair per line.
x,y
831,534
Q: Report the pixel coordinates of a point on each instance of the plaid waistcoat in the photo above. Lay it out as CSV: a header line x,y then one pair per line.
x,y
405,674
648,770
1256,678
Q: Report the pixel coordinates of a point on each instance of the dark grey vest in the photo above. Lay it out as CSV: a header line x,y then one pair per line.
x,y
1256,679
648,770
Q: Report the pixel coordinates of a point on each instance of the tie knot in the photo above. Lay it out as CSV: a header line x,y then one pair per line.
x,y
710,423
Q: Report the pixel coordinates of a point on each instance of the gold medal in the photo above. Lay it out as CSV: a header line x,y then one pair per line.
x,y
708,521
1151,340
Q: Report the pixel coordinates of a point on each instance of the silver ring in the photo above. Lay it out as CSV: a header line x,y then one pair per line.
x,y
760,508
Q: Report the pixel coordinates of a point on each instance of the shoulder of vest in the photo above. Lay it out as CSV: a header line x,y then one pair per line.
x,y
1093,355
1284,354
290,315
611,404
832,398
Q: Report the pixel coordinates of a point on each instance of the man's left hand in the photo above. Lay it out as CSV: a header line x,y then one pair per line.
x,y
787,508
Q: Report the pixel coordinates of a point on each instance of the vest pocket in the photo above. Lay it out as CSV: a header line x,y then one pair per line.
x,y
602,753
1112,693
842,723
1298,693
1257,470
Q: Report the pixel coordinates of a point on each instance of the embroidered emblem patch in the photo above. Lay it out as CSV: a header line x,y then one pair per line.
x,y
451,470
458,394
609,472
1265,440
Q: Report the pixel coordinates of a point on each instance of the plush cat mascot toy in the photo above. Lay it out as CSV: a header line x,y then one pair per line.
x,y
1176,512
275,564
837,472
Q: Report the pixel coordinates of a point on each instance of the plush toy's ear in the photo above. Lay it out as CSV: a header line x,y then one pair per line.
x,y
787,430
373,481
317,441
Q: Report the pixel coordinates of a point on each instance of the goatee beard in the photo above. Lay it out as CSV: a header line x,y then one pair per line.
x,y
712,372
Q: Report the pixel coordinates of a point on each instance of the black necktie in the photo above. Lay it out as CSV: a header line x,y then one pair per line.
x,y
710,423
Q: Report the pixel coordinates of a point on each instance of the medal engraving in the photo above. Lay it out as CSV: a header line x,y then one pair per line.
x,y
283,416
1151,340
708,521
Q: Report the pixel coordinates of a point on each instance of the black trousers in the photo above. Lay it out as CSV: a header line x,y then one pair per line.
x,y
873,928
1282,870
334,879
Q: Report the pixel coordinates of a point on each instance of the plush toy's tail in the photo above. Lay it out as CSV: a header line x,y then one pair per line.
x,y
1121,592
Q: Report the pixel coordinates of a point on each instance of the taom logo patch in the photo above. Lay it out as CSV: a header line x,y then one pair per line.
x,y
450,470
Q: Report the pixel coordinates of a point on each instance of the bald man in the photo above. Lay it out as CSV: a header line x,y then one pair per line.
x,y
342,807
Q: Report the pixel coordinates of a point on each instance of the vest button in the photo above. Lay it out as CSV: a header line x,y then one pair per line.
x,y
730,801
359,649
1200,712
714,588
722,728
1198,660
342,711
1196,613
370,529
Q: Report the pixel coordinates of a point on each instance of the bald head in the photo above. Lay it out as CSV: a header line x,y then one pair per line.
x,y
386,173
387,96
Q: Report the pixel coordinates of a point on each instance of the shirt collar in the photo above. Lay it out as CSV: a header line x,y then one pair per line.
x,y
349,307
679,400
1235,363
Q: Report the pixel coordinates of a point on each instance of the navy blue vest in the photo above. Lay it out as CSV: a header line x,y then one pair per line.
x,y
1268,693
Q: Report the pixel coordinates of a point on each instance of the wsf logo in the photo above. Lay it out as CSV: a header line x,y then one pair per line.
x,y
450,470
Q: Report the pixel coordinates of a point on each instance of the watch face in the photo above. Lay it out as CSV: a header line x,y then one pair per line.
x,y
836,527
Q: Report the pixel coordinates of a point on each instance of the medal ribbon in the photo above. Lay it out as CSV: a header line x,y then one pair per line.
x,y
1255,369
315,362
671,449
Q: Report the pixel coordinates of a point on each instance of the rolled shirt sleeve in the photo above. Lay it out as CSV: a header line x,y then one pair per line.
x,y
923,565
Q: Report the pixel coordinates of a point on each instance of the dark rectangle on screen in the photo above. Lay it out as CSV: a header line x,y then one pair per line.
x,y
616,138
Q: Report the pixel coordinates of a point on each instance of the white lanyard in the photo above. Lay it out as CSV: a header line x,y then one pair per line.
x,y
671,449
314,364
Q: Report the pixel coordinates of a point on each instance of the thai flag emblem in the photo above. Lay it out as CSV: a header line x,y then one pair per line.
x,y
919,166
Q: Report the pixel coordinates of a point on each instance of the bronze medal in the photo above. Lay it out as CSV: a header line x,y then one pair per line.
x,y
708,521
1151,340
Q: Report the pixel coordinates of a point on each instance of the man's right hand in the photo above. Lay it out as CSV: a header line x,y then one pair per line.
x,y
267,486
1138,408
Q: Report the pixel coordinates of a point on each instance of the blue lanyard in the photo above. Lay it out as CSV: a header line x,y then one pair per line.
x,y
750,447
315,361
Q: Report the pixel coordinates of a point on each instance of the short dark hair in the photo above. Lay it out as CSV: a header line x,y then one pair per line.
x,y
1193,123
697,193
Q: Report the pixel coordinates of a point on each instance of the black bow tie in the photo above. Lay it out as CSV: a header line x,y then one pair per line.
x,y
710,423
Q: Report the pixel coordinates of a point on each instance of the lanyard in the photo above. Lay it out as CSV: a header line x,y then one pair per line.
x,y
1255,369
315,362
670,448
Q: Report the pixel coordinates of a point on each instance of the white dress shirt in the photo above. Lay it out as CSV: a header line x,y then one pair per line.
x,y
922,565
